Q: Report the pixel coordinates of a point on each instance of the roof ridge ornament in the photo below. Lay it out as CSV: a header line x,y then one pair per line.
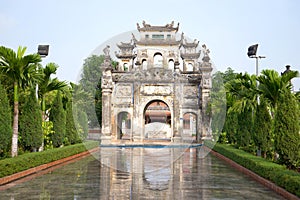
x,y
205,51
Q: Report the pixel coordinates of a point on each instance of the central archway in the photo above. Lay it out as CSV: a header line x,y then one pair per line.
x,y
157,120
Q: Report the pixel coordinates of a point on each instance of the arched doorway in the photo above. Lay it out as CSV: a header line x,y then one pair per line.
x,y
124,125
171,64
144,64
158,60
189,124
157,120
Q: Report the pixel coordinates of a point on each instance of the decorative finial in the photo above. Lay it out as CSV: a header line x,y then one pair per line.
x,y
106,51
205,51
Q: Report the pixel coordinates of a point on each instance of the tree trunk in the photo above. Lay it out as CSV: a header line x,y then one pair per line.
x,y
43,120
14,144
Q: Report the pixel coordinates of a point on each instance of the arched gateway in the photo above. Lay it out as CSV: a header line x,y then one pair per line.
x,y
161,76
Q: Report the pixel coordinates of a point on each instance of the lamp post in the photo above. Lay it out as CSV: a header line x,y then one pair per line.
x,y
43,51
252,54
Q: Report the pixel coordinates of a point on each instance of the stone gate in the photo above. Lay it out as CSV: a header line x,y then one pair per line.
x,y
160,88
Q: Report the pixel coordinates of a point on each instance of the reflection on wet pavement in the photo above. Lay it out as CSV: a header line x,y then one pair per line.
x,y
142,173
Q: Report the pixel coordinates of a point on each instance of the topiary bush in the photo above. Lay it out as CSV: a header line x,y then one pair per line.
x,y
23,162
278,174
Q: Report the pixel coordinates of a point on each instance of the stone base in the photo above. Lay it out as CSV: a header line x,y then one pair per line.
x,y
105,139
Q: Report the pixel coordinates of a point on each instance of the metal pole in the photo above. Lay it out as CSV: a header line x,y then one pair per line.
x,y
256,65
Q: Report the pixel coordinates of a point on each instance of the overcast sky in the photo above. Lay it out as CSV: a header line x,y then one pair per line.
x,y
75,28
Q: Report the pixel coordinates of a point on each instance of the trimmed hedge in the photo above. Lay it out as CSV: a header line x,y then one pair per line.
x,y
23,162
278,174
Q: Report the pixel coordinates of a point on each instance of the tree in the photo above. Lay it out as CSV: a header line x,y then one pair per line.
x,y
231,126
245,128
271,85
22,71
90,82
218,104
286,130
58,117
79,97
31,131
48,85
5,122
45,87
262,134
243,92
71,133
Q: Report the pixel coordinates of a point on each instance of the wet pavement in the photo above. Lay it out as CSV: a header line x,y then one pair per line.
x,y
142,173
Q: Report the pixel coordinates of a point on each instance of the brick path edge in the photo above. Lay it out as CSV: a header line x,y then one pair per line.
x,y
22,174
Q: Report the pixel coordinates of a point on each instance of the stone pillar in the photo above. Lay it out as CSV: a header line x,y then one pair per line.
x,y
206,85
178,117
137,123
106,85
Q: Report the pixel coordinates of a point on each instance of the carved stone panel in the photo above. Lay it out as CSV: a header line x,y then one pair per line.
x,y
159,90
123,90
190,102
190,90
123,100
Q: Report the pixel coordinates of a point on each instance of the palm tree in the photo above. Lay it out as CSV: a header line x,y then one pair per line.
x,y
48,85
22,71
271,85
244,90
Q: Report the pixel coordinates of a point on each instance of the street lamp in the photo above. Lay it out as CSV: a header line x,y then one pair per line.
x,y
252,54
43,50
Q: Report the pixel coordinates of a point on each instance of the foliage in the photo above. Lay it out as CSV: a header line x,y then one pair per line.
x,y
98,102
82,124
278,174
26,161
79,114
218,104
58,117
231,126
47,132
262,134
245,130
5,123
31,131
287,131
21,71
49,84
71,136
90,82
243,88
271,85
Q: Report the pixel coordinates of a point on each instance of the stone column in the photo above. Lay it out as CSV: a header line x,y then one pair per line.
x,y
106,85
177,99
137,123
206,85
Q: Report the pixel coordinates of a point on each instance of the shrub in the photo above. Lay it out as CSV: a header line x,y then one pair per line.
x,y
278,174
30,122
5,123
26,161
58,117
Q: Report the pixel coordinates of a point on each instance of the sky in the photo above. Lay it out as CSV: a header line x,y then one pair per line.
x,y
75,28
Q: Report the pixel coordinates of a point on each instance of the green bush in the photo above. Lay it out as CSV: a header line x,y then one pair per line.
x,y
58,117
26,161
30,123
5,123
278,174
